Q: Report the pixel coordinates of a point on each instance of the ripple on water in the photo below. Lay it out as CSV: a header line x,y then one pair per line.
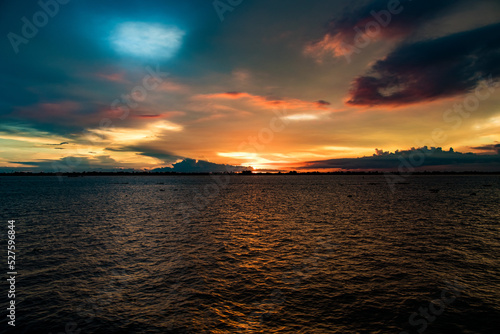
x,y
269,254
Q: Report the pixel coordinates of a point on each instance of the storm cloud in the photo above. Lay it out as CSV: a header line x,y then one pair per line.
x,y
414,159
430,69
399,18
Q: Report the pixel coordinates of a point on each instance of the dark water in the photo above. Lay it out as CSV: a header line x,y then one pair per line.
x,y
254,254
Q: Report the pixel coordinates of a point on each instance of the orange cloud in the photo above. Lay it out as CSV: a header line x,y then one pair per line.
x,y
148,116
266,102
173,87
329,45
113,77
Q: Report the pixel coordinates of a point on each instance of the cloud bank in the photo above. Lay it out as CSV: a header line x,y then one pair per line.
x,y
418,159
200,166
431,69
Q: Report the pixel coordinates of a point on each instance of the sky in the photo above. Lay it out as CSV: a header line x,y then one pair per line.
x,y
231,85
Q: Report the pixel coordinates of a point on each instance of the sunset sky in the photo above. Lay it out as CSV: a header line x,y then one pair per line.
x,y
268,84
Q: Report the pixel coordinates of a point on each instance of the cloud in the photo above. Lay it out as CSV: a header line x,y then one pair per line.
x,y
165,156
431,69
241,76
199,166
323,103
394,19
149,116
44,110
491,147
174,87
302,117
420,159
103,163
150,131
62,116
267,102
167,114
146,39
112,77
24,133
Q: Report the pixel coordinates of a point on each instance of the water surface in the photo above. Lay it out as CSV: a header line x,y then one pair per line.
x,y
255,254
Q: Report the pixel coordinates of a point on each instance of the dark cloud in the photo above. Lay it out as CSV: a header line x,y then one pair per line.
x,y
165,156
322,103
104,163
491,147
101,163
431,69
200,166
187,165
418,159
405,17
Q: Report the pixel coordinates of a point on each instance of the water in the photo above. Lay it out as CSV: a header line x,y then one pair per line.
x,y
254,254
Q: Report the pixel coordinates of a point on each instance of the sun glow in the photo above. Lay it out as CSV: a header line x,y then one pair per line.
x,y
128,135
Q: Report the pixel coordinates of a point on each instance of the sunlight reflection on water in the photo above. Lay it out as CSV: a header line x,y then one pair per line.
x,y
269,254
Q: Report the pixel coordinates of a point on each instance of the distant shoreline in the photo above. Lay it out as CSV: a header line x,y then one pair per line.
x,y
346,173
